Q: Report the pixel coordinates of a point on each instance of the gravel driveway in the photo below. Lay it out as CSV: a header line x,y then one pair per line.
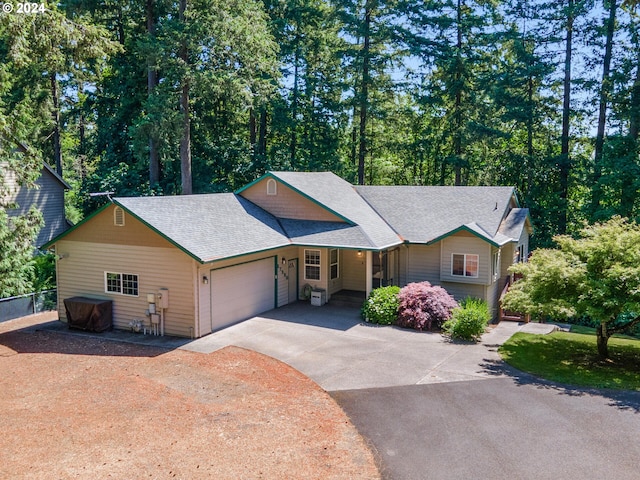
x,y
76,406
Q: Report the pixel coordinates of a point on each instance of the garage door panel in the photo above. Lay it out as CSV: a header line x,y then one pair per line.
x,y
241,292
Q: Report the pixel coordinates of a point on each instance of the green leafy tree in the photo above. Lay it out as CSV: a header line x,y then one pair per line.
x,y
17,235
597,275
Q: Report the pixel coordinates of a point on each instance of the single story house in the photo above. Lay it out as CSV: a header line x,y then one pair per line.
x,y
225,257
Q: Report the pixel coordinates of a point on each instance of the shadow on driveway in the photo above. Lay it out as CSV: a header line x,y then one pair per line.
x,y
622,399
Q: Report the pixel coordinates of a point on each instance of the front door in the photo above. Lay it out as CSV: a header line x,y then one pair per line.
x,y
292,278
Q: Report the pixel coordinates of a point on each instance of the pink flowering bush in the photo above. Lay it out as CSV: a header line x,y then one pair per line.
x,y
423,306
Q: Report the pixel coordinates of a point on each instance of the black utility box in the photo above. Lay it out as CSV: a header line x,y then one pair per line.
x,y
89,314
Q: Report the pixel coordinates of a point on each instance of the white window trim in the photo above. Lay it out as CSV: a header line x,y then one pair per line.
x,y
464,266
272,187
319,265
495,265
121,274
337,264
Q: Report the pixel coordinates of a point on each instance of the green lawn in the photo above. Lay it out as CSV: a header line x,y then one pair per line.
x,y
572,358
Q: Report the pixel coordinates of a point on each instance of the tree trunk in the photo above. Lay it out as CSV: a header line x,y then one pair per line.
x,y
253,129
152,81
55,115
457,115
262,136
634,107
565,159
603,341
602,112
82,143
364,93
185,141
294,110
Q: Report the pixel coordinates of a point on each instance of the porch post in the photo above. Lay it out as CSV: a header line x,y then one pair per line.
x,y
369,271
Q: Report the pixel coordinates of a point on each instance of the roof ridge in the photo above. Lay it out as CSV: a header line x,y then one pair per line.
x,y
374,210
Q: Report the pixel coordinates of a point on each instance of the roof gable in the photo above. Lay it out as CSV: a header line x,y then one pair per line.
x,y
211,226
287,201
339,196
426,214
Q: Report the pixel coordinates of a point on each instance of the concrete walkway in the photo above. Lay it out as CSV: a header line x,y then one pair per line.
x,y
333,347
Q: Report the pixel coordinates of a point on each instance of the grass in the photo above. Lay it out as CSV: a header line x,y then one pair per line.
x,y
572,358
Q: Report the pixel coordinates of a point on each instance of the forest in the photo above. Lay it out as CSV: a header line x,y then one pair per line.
x,y
162,97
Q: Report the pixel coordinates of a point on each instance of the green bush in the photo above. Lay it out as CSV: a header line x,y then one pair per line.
x,y
469,320
382,305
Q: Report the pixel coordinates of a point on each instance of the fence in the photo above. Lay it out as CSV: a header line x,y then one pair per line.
x,y
28,304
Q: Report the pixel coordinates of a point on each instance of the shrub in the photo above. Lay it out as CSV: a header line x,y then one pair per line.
x,y
382,305
423,306
469,320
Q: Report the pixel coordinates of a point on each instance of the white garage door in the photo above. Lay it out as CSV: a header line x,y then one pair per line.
x,y
240,292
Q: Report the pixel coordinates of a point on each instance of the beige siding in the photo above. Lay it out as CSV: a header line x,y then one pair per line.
x,y
354,270
101,229
462,243
81,273
492,294
287,203
422,263
283,280
506,259
336,284
460,291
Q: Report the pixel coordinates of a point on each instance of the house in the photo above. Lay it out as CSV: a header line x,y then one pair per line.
x,y
222,258
47,196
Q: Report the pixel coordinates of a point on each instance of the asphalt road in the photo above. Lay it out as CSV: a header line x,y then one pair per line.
x,y
502,428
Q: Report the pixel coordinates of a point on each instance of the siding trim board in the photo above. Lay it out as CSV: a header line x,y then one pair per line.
x,y
463,228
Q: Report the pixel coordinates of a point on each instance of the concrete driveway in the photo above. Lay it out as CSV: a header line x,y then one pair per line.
x,y
440,410
333,347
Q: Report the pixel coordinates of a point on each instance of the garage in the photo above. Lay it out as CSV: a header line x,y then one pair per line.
x,y
242,291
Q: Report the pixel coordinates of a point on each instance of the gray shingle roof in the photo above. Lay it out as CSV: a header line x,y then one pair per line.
x,y
215,226
211,226
514,223
341,197
331,234
423,214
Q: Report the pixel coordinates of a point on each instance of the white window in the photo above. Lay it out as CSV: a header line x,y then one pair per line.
x,y
312,264
495,265
334,266
464,265
122,283
118,217
272,187
521,254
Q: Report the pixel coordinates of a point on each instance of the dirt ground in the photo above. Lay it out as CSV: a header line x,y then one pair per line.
x,y
81,407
